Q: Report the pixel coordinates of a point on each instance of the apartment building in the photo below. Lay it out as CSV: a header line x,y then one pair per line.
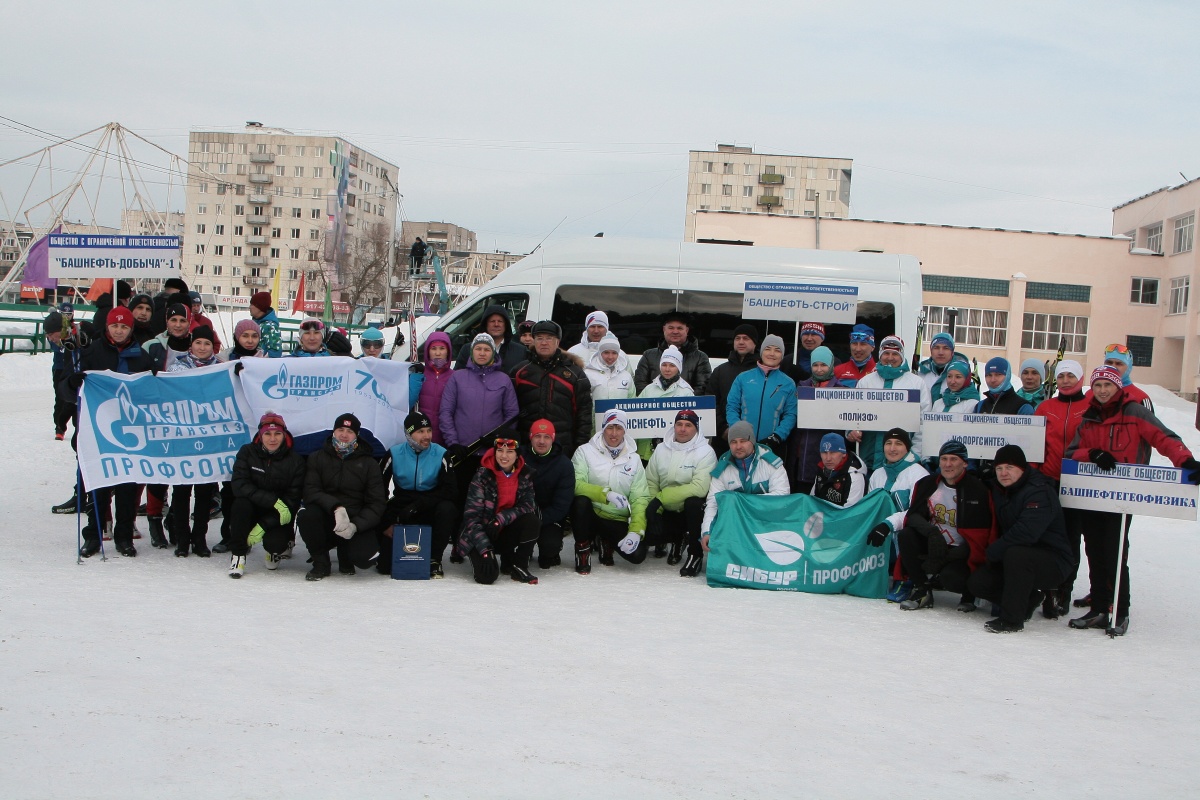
x,y
738,180
266,199
135,222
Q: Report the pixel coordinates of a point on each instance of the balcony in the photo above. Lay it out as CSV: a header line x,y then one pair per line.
x,y
257,219
256,240
260,199
769,200
770,179
262,158
253,280
254,261
259,178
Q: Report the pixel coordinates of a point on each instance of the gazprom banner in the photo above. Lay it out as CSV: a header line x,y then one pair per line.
x,y
86,256
798,543
984,434
173,428
800,302
652,417
1128,489
310,393
858,409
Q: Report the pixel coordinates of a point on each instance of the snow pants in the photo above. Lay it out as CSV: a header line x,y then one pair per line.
x,y
1012,583
514,545
929,563
675,527
1101,537
316,529
126,495
242,515
194,530
591,528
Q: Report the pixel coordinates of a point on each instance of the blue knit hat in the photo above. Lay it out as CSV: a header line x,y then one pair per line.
x,y
833,443
953,447
942,338
821,355
1033,363
863,333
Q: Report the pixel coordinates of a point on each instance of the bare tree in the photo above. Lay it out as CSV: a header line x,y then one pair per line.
x,y
364,268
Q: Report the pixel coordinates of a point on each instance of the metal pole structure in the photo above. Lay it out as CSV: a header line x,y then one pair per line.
x,y
818,223
1116,596
951,317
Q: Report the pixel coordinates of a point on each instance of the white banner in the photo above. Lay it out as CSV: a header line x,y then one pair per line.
x,y
652,417
984,434
90,256
858,409
1128,489
800,302
310,393
173,428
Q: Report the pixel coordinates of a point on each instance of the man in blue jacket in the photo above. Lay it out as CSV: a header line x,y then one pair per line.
x,y
765,397
425,493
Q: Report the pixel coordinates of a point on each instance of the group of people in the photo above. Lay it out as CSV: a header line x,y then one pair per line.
x,y
501,457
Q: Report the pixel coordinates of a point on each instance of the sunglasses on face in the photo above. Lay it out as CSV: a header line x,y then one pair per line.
x,y
371,345
311,326
859,337
506,444
1116,348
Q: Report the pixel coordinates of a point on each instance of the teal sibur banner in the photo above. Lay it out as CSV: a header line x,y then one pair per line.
x,y
799,544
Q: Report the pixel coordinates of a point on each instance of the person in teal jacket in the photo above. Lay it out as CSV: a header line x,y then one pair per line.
x,y
765,397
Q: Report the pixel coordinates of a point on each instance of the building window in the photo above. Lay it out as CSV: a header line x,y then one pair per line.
x,y
217,269
279,170
727,189
274,252
200,228
981,327
316,213
316,193
749,169
239,211
219,230
1154,238
314,234
218,209
725,208
297,191
832,175
222,169
318,172
199,271
299,149
202,188
704,208
199,249
241,148
1179,295
277,211
747,191
810,194
1046,332
320,151
236,291
296,213
256,251
293,254
708,166
790,171
1144,291
985,287
293,274
281,149
1070,292
237,230
789,194
218,249
727,168
1142,350
312,255
706,188
1183,233
204,147
237,249
201,209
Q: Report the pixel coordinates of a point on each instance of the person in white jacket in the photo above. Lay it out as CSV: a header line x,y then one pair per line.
x,y
678,476
890,373
842,479
611,496
668,383
595,328
608,371
898,475
748,467
959,395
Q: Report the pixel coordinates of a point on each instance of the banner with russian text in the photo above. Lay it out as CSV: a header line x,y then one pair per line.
x,y
800,302
85,256
172,428
1140,489
984,434
798,543
653,417
310,393
853,409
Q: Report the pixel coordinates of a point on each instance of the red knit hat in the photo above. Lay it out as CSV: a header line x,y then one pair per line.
x,y
119,314
542,426
261,301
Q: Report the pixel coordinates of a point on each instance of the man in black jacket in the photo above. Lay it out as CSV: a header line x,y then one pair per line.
x,y
742,358
551,385
344,502
696,367
1031,554
498,324
267,485
553,486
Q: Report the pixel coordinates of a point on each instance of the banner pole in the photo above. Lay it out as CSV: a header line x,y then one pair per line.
x,y
1116,598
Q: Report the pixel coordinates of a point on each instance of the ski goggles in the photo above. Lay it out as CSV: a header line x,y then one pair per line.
x,y
1117,348
372,345
312,325
505,444
862,337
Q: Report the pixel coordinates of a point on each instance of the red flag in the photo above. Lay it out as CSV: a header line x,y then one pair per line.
x,y
99,287
299,295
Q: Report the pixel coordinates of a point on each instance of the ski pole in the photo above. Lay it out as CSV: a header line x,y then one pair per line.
x,y
1116,597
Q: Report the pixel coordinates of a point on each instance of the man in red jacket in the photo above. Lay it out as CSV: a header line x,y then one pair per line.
x,y
1117,430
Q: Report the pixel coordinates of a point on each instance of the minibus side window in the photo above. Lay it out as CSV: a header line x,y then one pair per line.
x,y
462,329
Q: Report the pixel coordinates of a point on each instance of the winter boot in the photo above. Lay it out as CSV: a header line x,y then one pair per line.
x,y
1084,602
1093,619
518,568
346,568
921,597
998,625
900,592
317,572
583,556
157,535
549,560
660,551
199,545
1035,600
287,551
692,564
91,545
237,566
272,560
435,570
182,548
1120,628
606,552
522,575
220,547
676,554
68,507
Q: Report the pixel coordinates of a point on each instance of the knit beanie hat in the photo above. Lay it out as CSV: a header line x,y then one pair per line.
x,y
688,415
740,430
203,332
261,301
542,426
179,310
996,366
771,340
942,338
960,366
892,343
415,421
953,447
746,329
609,342
863,333
1069,367
1033,363
833,443
672,356
1103,373
900,435
122,315
596,318
141,300
246,325
483,338
371,335
821,355
615,417
1011,454
348,421
815,328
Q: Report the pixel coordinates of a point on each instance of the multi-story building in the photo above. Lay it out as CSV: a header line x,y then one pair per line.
x,y
135,222
1018,294
266,199
442,236
736,179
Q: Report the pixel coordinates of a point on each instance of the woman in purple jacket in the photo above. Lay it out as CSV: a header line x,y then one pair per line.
x,y
437,375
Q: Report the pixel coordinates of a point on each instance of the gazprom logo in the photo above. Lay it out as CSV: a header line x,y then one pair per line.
x,y
782,547
116,420
284,384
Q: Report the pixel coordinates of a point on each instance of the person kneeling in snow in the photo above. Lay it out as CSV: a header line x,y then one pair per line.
x,y
678,478
500,522
841,479
611,495
1032,555
344,502
266,487
899,474
749,468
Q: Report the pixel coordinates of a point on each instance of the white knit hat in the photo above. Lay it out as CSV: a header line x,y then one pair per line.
x,y
673,356
596,318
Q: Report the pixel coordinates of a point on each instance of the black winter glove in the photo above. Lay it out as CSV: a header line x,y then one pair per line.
x,y
457,454
1102,459
878,534
416,369
1193,474
775,443
494,527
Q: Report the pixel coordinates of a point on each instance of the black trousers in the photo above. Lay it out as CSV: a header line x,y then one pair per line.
x,y
672,527
1074,523
197,527
316,529
1101,537
591,527
1012,582
550,541
126,495
513,544
241,515
949,572
442,518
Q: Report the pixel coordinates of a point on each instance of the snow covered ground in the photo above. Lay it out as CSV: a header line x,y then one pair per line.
x,y
158,676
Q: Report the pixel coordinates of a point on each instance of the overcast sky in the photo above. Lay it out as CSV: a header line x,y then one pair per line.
x,y
508,117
